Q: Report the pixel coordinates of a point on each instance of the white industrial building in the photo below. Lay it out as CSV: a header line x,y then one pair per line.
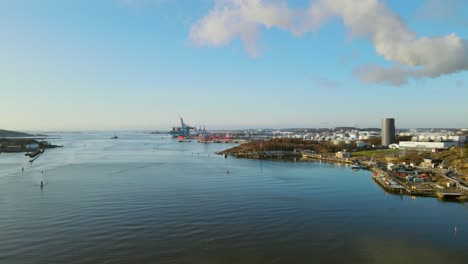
x,y
427,146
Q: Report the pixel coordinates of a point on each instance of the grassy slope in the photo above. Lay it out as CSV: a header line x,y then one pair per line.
x,y
455,157
284,145
374,153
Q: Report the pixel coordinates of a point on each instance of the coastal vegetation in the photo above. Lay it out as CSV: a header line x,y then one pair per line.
x,y
378,153
284,145
291,144
456,157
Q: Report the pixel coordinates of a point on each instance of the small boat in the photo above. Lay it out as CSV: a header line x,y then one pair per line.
x,y
114,137
356,167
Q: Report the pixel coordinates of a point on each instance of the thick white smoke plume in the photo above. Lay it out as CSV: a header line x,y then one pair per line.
x,y
413,57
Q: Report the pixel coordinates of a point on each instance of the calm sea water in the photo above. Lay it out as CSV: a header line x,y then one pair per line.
x,y
149,199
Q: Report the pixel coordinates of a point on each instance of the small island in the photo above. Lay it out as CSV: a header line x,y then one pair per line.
x,y
12,142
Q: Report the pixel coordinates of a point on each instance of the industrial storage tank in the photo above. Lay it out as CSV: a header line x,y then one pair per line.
x,y
388,131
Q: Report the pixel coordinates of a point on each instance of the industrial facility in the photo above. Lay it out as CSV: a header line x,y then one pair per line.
x,y
427,146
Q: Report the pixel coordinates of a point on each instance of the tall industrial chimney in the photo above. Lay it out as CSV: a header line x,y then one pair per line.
x,y
388,131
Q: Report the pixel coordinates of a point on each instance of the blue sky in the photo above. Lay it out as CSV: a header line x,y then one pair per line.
x,y
140,64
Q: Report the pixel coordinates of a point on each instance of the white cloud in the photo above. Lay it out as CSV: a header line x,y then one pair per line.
x,y
242,19
413,57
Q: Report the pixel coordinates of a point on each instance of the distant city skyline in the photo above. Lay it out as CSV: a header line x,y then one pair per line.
x,y
140,64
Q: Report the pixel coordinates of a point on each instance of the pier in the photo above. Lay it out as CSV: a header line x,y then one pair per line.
x,y
388,184
449,195
305,155
35,155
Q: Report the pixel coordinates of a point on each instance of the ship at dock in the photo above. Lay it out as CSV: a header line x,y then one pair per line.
x,y
183,131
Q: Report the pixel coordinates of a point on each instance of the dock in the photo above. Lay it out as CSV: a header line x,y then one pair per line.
x,y
388,184
393,184
306,155
449,195
421,191
36,155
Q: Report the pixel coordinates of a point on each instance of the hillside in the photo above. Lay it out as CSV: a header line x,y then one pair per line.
x,y
8,133
456,158
282,144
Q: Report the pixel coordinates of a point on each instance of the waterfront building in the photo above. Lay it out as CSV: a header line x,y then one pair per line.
x,y
343,154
